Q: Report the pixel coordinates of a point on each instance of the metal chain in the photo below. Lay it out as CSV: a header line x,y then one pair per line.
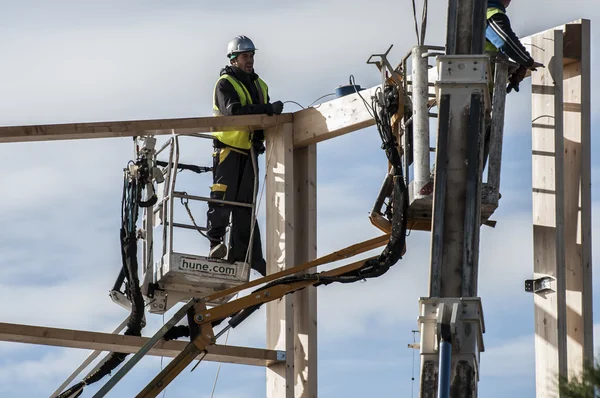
x,y
184,202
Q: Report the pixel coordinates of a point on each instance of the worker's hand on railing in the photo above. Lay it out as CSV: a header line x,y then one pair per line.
x,y
535,66
275,108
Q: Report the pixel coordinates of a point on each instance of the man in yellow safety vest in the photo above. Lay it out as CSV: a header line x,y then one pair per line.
x,y
500,37
238,91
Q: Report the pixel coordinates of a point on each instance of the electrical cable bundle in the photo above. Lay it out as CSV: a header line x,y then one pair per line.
x,y
130,205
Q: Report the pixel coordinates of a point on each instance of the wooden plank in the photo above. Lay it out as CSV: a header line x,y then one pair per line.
x,y
280,254
571,41
70,131
497,131
572,190
88,340
548,210
586,191
577,189
305,249
333,118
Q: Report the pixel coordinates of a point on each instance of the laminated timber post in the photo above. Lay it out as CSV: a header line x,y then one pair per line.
x,y
291,239
280,254
305,239
561,174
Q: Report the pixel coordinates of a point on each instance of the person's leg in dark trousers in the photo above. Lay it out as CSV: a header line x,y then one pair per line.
x,y
242,221
226,166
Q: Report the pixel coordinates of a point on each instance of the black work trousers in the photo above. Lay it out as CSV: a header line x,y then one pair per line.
x,y
233,180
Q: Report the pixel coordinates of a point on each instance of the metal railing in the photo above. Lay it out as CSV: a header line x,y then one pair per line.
x,y
165,207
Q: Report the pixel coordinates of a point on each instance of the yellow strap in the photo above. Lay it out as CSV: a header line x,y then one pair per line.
x,y
493,11
263,90
218,188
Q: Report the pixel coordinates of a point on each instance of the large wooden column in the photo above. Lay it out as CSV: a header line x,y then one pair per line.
x,y
561,204
578,217
279,239
305,304
548,210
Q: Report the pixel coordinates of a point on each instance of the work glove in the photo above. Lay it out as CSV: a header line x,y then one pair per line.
x,y
535,66
258,141
516,78
275,108
259,148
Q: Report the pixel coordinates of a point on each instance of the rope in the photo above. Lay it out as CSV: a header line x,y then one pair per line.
x,y
294,102
414,7
424,21
321,97
412,391
161,359
421,39
184,202
258,203
219,368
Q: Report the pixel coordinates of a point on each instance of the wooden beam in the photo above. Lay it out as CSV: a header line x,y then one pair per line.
x,y
549,210
571,42
280,254
586,192
305,249
87,340
562,203
71,131
577,191
333,118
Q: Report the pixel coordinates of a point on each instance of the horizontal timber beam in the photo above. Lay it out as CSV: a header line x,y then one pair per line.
x,y
571,42
69,338
72,131
333,118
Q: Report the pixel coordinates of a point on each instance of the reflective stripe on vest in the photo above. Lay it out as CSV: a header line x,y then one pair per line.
x,y
489,47
239,138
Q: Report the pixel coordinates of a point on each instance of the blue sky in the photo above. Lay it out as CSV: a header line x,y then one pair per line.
x,y
80,61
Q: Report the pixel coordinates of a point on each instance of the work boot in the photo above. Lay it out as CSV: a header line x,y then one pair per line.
x,y
217,250
260,266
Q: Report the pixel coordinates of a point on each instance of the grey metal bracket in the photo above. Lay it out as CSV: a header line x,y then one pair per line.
x,y
281,355
540,285
384,64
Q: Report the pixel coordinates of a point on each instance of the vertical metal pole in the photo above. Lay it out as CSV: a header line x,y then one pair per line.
x,y
420,80
466,19
445,369
457,193
472,217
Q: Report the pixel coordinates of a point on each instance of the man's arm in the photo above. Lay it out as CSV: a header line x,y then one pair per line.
x,y
500,33
229,104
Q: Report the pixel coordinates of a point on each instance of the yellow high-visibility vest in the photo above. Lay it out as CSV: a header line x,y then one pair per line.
x,y
239,138
489,47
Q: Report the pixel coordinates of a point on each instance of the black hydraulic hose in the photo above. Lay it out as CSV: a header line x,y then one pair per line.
x,y
183,166
128,238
